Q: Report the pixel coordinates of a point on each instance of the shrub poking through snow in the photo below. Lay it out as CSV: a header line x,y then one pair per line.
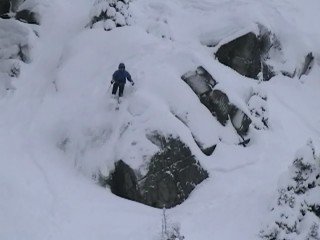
x,y
15,44
296,213
169,231
257,105
109,14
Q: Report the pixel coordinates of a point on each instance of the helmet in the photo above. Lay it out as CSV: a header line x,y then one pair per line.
x,y
122,66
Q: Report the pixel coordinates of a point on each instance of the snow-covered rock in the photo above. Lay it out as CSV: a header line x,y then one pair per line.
x,y
172,174
109,14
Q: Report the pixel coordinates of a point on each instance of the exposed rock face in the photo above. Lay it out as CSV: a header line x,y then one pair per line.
x,y
123,182
172,175
217,102
109,14
243,55
200,80
28,16
4,7
307,65
240,121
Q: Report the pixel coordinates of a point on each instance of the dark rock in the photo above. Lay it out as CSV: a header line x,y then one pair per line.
x,y
199,80
243,55
308,62
207,151
123,182
288,74
7,6
240,121
4,7
218,104
28,17
203,147
267,72
173,174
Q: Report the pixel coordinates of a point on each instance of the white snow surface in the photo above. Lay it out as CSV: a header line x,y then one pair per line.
x,y
59,128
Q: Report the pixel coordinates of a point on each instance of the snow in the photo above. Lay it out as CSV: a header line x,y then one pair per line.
x,y
59,129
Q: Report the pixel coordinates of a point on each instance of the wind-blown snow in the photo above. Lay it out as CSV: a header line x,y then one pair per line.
x,y
59,129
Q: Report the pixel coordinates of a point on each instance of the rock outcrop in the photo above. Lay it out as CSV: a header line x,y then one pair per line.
x,y
307,65
248,54
172,174
217,102
243,54
22,10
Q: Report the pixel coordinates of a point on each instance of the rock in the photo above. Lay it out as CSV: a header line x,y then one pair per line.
x,y
243,55
28,17
199,80
249,54
267,72
307,65
218,104
207,151
4,7
240,121
10,8
123,182
172,174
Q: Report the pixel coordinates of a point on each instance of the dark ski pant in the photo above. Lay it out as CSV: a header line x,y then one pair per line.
x,y
115,88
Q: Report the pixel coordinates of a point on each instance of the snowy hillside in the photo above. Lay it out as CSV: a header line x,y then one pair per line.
x,y
231,130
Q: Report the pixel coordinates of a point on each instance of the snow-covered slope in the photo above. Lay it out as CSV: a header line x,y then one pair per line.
x,y
58,128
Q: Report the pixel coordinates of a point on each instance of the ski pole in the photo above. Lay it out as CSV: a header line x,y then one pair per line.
x,y
109,87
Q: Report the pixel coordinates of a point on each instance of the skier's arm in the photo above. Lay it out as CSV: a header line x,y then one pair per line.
x,y
129,78
113,77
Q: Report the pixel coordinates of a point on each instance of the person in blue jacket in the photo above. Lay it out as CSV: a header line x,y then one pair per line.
x,y
119,79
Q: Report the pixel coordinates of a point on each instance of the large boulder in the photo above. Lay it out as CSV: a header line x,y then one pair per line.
x,y
172,174
240,121
4,7
200,80
307,65
243,54
123,182
28,16
217,102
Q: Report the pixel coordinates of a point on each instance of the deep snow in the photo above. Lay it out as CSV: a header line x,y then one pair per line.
x,y
59,127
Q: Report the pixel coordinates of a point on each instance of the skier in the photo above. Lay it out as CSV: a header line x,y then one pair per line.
x,y
119,78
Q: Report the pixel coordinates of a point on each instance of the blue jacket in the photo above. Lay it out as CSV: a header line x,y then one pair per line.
x,y
120,76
